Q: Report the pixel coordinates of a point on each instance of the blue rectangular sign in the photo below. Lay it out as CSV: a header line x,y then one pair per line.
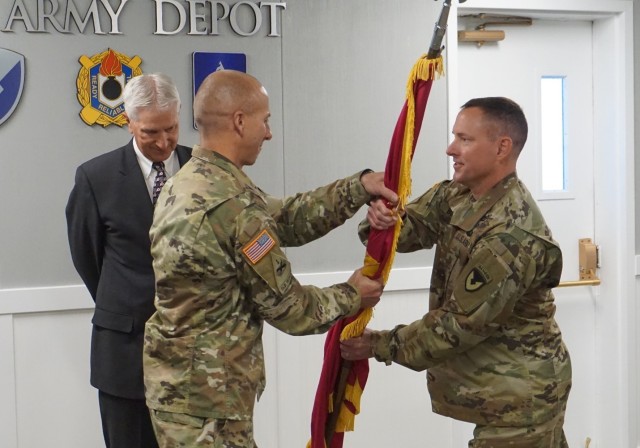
x,y
206,63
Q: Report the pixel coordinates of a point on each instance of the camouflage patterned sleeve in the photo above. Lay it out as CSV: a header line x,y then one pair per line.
x,y
499,271
275,294
304,217
421,223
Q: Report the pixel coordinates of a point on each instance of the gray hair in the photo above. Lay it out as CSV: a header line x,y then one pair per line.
x,y
155,90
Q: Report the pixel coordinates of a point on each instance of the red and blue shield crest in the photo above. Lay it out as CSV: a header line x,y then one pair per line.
x,y
100,83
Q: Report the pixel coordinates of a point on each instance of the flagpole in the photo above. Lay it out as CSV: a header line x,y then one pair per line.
x,y
440,30
341,387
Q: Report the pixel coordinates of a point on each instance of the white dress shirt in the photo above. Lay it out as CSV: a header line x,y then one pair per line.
x,y
171,167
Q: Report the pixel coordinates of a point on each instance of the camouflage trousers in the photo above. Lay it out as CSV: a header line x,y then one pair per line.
x,y
183,430
547,435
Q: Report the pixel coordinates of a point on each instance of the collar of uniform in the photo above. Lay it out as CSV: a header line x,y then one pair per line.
x,y
467,211
210,156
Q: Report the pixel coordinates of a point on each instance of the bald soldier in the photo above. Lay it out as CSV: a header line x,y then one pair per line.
x,y
490,344
220,270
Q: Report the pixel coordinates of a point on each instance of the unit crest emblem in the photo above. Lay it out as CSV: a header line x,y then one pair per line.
x,y
100,83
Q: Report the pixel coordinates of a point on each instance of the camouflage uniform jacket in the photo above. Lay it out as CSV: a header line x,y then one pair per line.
x,y
220,273
493,350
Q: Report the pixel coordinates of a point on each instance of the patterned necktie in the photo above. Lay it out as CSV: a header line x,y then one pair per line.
x,y
161,178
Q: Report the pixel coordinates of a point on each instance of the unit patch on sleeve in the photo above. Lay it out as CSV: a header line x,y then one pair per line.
x,y
260,246
477,278
481,280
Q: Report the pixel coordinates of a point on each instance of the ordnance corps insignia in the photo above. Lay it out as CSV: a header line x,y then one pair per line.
x,y
100,83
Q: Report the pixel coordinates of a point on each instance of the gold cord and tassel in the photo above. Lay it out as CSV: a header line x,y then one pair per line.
x,y
424,69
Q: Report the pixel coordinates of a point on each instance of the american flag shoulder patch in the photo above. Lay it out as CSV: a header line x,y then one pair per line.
x,y
260,246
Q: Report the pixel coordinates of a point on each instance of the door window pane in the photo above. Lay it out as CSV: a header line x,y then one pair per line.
x,y
553,133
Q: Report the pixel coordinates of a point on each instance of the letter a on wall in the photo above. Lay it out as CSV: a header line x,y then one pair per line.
x,y
11,82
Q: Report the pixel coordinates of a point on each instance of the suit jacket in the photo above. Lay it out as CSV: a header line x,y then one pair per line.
x,y
109,215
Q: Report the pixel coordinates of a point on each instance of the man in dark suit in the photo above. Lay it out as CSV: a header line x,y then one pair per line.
x,y
109,214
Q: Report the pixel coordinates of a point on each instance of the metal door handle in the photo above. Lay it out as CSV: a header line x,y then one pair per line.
x,y
568,284
588,263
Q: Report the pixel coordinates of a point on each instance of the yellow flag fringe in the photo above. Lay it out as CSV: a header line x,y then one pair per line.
x,y
424,69
346,419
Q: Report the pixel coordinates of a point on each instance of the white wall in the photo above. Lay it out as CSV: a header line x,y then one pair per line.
x,y
46,400
45,396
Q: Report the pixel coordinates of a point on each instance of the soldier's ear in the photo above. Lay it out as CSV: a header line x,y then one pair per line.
x,y
505,147
238,118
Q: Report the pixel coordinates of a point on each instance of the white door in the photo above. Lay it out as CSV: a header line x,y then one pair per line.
x,y
562,51
514,68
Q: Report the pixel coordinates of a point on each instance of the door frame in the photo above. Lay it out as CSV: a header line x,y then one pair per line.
x,y
616,391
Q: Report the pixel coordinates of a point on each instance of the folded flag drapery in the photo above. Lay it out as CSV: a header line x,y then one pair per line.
x,y
341,383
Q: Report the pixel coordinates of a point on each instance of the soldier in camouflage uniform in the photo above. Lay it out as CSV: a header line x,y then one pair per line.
x,y
492,349
220,271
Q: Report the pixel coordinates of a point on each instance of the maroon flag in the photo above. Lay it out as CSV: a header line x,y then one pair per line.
x,y
342,382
